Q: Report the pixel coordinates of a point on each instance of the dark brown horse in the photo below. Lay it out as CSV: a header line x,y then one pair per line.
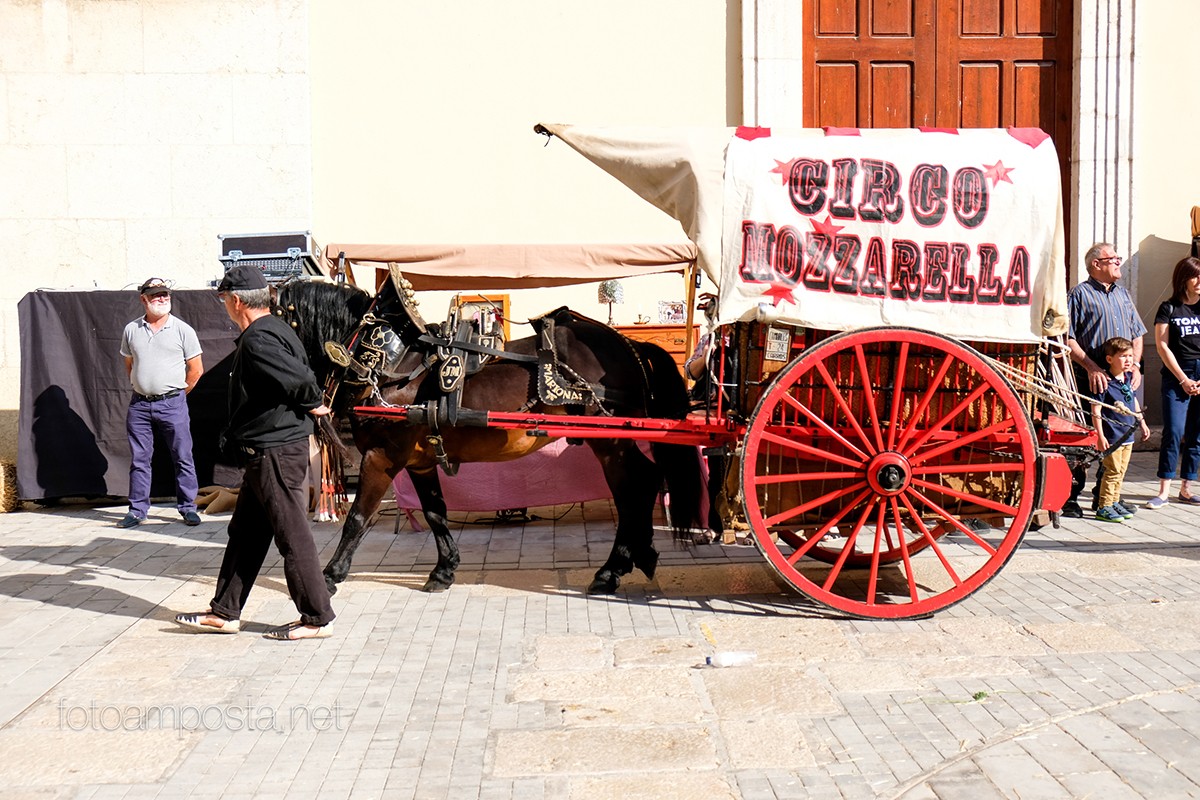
x,y
391,349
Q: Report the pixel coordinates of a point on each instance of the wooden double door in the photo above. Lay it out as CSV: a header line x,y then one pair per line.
x,y
940,63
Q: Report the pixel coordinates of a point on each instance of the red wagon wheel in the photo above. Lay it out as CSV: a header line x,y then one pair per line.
x,y
870,463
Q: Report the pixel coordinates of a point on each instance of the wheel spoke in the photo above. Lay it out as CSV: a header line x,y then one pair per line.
x,y
845,407
808,450
1007,510
897,395
802,550
941,424
873,578
968,469
908,569
823,425
784,516
868,393
953,520
836,569
960,441
760,480
929,537
919,411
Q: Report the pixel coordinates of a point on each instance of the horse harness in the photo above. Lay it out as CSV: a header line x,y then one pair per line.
x,y
392,328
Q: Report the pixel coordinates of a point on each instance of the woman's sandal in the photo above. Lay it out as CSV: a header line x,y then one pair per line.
x,y
296,631
208,622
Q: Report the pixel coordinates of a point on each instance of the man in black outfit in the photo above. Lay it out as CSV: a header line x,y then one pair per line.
x,y
273,399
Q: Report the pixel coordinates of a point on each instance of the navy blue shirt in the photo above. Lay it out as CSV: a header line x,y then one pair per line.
x,y
1115,423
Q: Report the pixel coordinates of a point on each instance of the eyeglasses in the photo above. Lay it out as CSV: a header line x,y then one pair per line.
x,y
1110,260
159,298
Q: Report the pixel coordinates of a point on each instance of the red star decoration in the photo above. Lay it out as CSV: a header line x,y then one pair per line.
x,y
997,172
780,292
827,227
783,168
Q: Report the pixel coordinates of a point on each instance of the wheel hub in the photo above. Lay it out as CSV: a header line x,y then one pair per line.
x,y
889,474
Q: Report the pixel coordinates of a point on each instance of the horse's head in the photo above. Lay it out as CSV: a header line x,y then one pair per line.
x,y
321,312
349,337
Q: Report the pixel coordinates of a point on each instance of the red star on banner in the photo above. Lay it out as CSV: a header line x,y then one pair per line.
x,y
997,172
780,292
827,227
783,168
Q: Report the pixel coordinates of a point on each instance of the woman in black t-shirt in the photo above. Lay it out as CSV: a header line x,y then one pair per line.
x,y
1177,336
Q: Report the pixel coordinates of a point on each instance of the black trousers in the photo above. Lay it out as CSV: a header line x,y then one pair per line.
x,y
272,504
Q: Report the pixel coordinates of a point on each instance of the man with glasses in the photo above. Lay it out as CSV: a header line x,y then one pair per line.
x,y
1099,308
162,360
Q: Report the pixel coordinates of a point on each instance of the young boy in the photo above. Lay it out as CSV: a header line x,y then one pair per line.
x,y
1113,425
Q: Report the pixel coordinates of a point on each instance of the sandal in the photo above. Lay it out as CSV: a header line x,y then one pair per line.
x,y
295,631
208,622
1190,500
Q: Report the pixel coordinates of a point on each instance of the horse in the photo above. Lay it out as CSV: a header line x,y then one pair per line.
x,y
385,357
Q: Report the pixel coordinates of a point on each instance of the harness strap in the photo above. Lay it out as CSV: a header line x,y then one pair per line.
x,y
441,341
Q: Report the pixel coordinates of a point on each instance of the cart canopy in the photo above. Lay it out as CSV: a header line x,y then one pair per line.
x,y
485,267
955,231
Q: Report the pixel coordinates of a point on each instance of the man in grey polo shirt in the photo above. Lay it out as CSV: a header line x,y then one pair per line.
x,y
162,360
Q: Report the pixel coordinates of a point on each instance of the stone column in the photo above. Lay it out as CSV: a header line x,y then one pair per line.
x,y
1102,154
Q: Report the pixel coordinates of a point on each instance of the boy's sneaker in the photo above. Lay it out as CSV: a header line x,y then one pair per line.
x,y
1126,511
1110,514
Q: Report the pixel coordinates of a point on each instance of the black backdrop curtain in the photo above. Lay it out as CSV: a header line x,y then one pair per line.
x,y
74,393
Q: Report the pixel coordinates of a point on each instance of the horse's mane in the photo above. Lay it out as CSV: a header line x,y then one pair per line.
x,y
321,312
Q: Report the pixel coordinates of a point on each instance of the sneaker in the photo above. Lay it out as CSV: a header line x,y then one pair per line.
x,y
1124,510
1071,509
130,521
191,519
1156,502
1109,514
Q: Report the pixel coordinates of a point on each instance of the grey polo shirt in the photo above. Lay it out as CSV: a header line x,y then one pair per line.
x,y
159,359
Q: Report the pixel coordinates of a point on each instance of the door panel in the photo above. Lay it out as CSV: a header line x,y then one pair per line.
x,y
941,63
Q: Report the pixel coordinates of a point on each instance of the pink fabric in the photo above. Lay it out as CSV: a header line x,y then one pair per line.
x,y
558,473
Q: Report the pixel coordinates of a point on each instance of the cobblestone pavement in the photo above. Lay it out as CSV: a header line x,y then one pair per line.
x,y
1075,673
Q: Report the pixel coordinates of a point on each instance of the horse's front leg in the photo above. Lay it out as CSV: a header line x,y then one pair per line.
x,y
634,481
374,479
433,504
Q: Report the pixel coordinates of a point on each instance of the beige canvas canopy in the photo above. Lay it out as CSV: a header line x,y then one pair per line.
x,y
484,267
953,230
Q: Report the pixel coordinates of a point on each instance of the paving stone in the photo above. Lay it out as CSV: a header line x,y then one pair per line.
x,y
602,750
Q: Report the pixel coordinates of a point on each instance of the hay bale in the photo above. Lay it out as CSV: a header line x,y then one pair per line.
x,y
9,499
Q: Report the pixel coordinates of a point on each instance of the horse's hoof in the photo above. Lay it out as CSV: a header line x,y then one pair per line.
x,y
604,585
331,586
433,587
648,563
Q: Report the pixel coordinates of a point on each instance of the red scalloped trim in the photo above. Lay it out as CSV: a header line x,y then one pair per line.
x,y
750,134
1030,136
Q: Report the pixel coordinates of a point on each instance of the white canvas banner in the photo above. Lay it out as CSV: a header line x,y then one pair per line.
x,y
958,232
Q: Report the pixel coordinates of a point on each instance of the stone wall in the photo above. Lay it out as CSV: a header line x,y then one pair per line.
x,y
132,133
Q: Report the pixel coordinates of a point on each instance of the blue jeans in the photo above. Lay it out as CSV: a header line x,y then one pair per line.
x,y
1181,426
169,417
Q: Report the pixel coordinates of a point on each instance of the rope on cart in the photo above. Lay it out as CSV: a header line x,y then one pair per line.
x,y
1061,391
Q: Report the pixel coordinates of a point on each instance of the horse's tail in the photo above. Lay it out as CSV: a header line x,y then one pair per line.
x,y
680,463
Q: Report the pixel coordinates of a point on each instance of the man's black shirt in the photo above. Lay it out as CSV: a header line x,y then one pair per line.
x,y
271,388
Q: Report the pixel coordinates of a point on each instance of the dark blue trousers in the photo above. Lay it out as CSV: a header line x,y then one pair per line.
x,y
169,417
1181,426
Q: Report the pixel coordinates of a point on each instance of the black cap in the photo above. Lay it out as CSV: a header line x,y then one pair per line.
x,y
242,276
154,286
